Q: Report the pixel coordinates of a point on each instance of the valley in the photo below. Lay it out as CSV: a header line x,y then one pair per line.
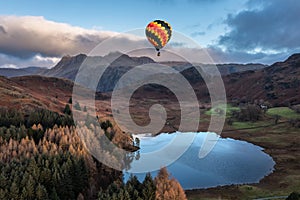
x,y
276,130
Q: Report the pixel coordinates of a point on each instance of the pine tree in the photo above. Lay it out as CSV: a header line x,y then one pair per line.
x,y
149,188
105,125
67,110
30,188
293,196
84,109
41,192
135,183
77,106
3,194
53,195
80,197
24,194
137,141
14,191
126,195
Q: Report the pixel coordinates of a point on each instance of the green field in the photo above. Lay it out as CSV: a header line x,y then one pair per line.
x,y
229,108
244,125
284,112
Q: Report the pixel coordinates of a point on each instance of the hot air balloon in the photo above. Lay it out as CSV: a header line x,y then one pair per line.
x,y
158,33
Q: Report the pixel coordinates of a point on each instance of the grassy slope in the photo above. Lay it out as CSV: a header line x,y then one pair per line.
x,y
229,108
284,112
281,141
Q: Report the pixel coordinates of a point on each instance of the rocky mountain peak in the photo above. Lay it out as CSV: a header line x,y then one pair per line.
x,y
68,60
294,59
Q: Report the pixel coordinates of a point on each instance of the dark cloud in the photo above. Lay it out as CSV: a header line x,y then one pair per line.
x,y
2,30
231,56
272,26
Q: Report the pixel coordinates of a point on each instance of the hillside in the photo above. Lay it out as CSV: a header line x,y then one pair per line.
x,y
29,92
278,83
68,68
10,72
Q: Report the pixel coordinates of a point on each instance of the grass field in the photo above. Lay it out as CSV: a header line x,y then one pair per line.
x,y
229,108
284,112
244,125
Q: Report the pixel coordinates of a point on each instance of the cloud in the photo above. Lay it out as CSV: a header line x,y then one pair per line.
x,y
7,61
265,32
198,33
177,44
2,30
27,36
268,28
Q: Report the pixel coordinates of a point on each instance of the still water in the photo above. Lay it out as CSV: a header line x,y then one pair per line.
x,y
230,162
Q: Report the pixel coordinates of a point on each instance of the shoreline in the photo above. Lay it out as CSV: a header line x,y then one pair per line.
x,y
272,169
270,183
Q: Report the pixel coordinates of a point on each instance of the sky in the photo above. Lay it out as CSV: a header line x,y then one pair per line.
x,y
39,33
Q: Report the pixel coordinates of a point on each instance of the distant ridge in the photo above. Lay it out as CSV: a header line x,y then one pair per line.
x,y
278,83
10,72
68,66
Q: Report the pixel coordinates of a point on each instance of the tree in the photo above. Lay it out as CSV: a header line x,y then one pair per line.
x,y
230,121
277,118
137,142
30,188
14,191
67,110
168,189
80,197
135,185
248,113
293,196
53,195
105,125
84,109
77,106
3,194
24,195
149,188
41,192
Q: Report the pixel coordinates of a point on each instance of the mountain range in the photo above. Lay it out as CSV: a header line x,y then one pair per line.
x,y
278,83
68,68
12,72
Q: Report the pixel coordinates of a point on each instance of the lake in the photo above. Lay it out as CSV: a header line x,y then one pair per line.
x,y
230,162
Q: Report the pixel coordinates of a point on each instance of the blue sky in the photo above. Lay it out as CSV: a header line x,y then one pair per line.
x,y
233,31
200,19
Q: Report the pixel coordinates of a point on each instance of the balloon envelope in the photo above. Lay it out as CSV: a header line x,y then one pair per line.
x,y
158,33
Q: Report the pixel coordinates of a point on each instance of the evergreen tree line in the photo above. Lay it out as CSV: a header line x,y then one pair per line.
x,y
43,157
161,187
61,176
57,167
17,133
47,118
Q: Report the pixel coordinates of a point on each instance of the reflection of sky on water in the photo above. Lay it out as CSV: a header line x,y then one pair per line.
x,y
230,162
